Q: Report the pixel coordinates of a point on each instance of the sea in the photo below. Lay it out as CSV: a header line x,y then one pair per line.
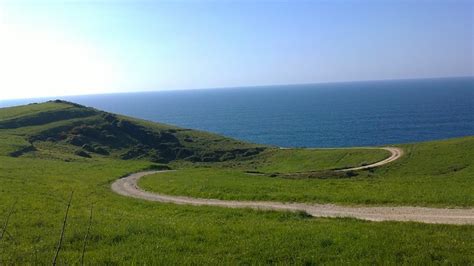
x,y
311,115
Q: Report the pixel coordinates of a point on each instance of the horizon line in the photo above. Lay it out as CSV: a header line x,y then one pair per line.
x,y
57,97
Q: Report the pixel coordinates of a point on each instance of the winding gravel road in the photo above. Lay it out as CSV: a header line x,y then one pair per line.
x,y
127,186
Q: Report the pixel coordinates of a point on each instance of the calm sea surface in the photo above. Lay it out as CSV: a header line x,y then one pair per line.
x,y
320,115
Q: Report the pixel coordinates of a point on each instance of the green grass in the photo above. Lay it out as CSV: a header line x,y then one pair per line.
x,y
18,111
131,231
437,173
126,230
305,160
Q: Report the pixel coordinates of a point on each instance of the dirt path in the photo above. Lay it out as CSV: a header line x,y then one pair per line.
x,y
395,153
127,186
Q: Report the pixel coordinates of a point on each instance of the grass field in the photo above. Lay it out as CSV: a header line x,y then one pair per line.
x,y
430,174
308,160
131,231
126,230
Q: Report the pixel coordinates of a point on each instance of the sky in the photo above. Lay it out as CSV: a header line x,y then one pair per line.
x,y
56,48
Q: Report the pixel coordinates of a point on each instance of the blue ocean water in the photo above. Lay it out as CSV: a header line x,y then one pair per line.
x,y
318,115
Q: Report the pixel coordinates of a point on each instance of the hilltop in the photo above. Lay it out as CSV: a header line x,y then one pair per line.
x,y
68,130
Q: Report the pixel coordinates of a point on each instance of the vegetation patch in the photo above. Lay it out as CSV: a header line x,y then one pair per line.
x,y
306,161
102,133
22,151
51,164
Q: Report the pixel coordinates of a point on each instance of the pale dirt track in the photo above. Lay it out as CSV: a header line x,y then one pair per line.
x,y
395,153
127,186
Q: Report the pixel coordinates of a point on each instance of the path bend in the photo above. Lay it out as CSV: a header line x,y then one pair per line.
x,y
128,186
395,154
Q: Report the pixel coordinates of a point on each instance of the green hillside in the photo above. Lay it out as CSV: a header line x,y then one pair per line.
x,y
69,130
50,150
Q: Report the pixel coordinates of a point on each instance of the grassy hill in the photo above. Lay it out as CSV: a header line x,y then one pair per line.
x,y
51,149
68,130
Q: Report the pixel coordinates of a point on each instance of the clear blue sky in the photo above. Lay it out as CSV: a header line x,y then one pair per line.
x,y
57,48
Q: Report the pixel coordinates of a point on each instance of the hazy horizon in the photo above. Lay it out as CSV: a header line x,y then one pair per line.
x,y
269,86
